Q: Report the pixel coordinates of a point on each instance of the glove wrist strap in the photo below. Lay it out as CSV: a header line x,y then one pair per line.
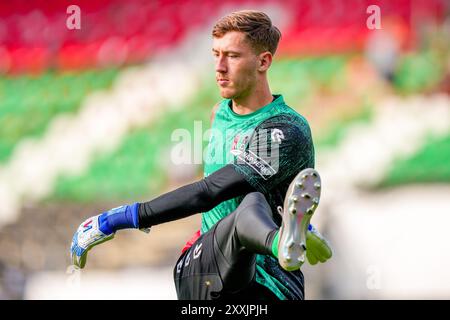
x,y
123,217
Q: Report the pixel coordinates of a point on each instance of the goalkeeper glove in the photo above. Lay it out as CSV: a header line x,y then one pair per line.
x,y
318,248
101,228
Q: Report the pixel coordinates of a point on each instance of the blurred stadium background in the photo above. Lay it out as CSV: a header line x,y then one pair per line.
x,y
86,118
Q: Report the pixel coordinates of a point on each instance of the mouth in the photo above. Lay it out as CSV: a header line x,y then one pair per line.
x,y
223,82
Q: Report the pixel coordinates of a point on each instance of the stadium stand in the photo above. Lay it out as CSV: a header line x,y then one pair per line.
x,y
41,98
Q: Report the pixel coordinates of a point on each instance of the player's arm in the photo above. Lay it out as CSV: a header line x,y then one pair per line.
x,y
200,196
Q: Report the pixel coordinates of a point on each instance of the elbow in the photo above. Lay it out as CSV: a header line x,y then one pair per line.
x,y
205,198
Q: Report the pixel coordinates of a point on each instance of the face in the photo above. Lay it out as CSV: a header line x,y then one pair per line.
x,y
237,65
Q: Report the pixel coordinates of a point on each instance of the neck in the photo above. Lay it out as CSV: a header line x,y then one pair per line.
x,y
257,99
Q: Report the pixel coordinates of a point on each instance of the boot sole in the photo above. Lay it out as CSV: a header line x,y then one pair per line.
x,y
302,199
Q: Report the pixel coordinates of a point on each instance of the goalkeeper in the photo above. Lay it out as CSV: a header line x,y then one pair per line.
x,y
259,192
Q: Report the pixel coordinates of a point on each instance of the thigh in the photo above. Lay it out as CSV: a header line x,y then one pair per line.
x,y
196,274
203,273
239,237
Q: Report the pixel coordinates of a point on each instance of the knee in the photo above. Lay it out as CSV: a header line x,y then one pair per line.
x,y
252,204
253,197
255,201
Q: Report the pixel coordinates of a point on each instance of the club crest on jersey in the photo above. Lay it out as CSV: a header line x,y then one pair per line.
x,y
238,147
235,143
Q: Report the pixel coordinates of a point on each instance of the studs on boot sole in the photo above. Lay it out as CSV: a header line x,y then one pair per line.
x,y
306,195
299,185
317,185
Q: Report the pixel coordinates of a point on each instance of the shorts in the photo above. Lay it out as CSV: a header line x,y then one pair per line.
x,y
197,275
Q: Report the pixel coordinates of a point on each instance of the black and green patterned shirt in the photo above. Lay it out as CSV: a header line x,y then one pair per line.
x,y
268,147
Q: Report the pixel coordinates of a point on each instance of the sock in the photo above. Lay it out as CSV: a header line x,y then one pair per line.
x,y
275,241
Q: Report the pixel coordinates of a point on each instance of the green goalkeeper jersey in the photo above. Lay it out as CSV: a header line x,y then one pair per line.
x,y
268,147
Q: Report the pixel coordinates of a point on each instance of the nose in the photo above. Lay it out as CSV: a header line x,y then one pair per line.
x,y
221,66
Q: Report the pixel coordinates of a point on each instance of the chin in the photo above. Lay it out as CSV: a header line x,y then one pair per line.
x,y
226,94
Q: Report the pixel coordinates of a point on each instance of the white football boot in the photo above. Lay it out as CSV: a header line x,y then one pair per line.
x,y
302,199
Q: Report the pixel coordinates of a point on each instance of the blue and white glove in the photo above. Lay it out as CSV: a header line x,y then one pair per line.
x,y
101,228
317,247
85,238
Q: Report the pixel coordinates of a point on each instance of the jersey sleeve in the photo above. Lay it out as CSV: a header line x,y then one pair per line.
x,y
278,149
200,196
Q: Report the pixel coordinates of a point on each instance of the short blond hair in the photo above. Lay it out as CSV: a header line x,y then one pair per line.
x,y
256,25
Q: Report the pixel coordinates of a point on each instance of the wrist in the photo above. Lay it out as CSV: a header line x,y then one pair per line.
x,y
123,217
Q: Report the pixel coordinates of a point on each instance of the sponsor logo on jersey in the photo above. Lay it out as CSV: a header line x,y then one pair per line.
x,y
277,135
258,164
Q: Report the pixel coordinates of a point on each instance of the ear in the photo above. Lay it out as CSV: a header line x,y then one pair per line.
x,y
264,61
